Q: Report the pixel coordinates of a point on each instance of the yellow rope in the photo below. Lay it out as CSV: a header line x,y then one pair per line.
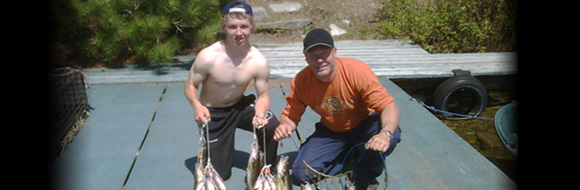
x,y
323,174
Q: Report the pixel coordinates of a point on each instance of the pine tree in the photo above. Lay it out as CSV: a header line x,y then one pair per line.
x,y
149,31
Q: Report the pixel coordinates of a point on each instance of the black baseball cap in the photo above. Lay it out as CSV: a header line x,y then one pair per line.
x,y
230,9
316,37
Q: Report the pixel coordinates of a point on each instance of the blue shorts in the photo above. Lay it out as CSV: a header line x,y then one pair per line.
x,y
325,151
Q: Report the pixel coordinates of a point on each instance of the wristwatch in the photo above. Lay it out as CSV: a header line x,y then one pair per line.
x,y
388,133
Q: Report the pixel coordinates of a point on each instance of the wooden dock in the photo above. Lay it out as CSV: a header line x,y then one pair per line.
x,y
145,137
393,59
387,58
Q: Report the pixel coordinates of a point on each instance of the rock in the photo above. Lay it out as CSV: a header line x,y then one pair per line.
x,y
297,24
488,140
346,21
286,7
259,13
336,31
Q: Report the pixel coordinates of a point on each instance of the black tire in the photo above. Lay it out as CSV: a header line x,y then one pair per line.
x,y
460,94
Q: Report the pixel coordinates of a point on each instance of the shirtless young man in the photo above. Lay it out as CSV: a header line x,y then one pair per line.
x,y
225,69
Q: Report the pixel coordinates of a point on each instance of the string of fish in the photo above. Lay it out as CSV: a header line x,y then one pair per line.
x,y
207,178
266,180
342,176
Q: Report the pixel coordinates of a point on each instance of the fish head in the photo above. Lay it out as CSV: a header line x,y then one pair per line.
x,y
282,164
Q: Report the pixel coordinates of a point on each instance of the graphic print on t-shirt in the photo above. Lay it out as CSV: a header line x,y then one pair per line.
x,y
333,104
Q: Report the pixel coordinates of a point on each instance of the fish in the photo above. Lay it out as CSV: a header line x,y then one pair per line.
x,y
280,181
199,176
209,183
201,163
206,177
259,184
254,164
202,152
348,185
270,183
266,181
217,179
283,174
305,186
200,185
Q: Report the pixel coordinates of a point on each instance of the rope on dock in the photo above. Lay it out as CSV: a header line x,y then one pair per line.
x,y
447,112
348,174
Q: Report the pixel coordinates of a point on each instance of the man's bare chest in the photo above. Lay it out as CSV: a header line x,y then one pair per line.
x,y
227,73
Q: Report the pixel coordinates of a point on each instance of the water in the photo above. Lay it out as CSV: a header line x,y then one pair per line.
x,y
480,134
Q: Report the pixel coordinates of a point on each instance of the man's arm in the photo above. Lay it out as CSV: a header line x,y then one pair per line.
x,y
291,114
390,121
390,117
263,101
285,129
197,74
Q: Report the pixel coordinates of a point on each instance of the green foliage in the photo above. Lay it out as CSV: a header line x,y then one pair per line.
x,y
452,26
148,31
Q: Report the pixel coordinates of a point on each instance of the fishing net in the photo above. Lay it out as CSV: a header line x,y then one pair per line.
x,y
68,108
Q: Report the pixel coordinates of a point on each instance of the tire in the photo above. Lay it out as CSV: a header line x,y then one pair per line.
x,y
462,94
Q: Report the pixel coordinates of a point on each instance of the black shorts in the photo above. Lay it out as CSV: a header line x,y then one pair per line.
x,y
222,127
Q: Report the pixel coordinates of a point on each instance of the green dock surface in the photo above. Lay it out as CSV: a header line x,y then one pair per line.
x,y
145,137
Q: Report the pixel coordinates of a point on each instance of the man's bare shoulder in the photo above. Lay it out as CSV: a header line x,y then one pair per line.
x,y
258,57
208,55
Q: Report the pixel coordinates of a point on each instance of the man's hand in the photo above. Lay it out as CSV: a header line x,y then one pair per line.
x,y
283,131
201,115
259,120
379,142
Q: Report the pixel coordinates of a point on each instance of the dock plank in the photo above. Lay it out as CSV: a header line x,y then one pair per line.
x,y
388,58
170,144
432,156
103,151
394,59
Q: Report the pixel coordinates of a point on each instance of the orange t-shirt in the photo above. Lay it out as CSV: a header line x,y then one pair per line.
x,y
353,94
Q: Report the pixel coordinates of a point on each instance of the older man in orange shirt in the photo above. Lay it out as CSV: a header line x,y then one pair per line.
x,y
354,107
